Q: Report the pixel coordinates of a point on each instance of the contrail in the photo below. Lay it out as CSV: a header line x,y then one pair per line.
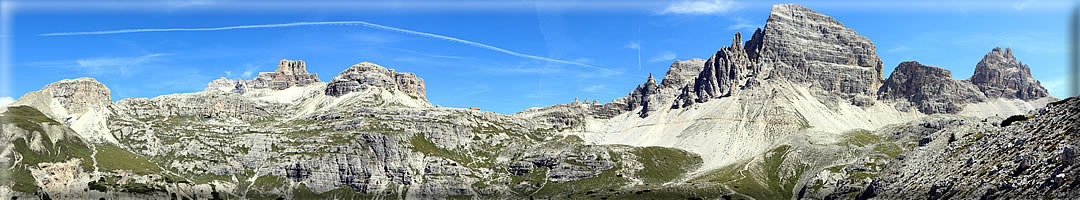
x,y
471,43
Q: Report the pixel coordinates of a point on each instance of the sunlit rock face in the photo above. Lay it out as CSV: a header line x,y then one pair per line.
x,y
1000,74
369,75
930,89
289,73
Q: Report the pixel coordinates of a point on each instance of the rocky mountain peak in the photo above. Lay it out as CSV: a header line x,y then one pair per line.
x,y
804,46
82,103
930,89
288,74
366,75
736,43
79,95
1000,74
291,67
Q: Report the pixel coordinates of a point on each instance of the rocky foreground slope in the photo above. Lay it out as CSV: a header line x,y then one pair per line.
x,y
800,110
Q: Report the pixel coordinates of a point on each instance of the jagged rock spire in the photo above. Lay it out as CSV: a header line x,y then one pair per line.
x,y
1000,74
736,43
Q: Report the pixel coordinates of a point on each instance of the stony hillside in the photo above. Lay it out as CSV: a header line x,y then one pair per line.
x,y
368,133
800,110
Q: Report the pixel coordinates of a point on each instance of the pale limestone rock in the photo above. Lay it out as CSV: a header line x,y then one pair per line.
x,y
369,75
1000,74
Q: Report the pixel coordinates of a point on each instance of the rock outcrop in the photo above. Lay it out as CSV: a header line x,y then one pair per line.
x,y
797,46
365,76
646,97
80,95
722,75
288,74
82,103
807,47
1031,158
999,74
225,85
682,73
651,96
928,88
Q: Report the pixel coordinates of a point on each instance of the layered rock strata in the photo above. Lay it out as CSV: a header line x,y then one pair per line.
x,y
1001,75
930,89
367,75
289,73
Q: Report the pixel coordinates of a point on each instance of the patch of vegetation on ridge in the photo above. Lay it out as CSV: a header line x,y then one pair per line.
x,y
26,118
23,180
762,179
267,182
861,138
423,145
662,165
114,158
65,149
607,179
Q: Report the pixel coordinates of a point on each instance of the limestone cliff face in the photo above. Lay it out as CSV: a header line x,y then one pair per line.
x,y
81,103
682,73
722,75
367,75
226,85
646,97
651,96
932,90
1000,74
928,88
79,95
288,74
797,46
803,46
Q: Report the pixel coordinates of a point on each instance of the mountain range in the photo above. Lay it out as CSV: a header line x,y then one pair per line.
x,y
800,110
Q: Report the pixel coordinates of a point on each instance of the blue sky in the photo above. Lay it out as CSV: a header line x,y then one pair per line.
x,y
551,51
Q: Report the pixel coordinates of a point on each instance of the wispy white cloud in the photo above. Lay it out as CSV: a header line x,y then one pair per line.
x,y
583,60
118,65
665,56
527,70
4,101
350,6
637,46
634,45
361,23
705,7
594,88
425,54
741,24
249,71
1023,4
